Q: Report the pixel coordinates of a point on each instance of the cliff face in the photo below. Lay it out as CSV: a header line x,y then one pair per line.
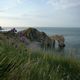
x,y
35,35
46,41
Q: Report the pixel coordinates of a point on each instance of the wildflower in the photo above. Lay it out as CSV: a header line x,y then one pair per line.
x,y
13,30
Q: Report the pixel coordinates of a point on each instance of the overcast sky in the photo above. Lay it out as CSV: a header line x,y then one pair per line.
x,y
43,13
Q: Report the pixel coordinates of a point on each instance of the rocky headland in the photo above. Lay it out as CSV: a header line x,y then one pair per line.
x,y
32,35
35,39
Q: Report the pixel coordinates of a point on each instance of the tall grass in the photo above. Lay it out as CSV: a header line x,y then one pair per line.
x,y
23,64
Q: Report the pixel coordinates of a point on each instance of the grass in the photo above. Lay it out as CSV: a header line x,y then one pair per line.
x,y
23,64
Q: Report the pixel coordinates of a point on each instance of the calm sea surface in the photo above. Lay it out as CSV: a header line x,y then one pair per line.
x,y
71,35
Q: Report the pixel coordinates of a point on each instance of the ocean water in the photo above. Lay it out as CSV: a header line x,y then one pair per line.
x,y
71,35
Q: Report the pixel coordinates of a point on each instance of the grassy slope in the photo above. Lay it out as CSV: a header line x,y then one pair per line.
x,y
22,64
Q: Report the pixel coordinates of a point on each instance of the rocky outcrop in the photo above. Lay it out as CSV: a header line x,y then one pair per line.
x,y
33,38
35,35
60,40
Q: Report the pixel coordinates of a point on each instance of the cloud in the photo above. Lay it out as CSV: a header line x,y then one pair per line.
x,y
9,4
63,4
19,1
1,10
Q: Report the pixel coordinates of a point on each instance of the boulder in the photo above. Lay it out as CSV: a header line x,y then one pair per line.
x,y
35,35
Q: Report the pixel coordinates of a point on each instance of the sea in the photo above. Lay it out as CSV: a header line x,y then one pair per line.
x,y
71,35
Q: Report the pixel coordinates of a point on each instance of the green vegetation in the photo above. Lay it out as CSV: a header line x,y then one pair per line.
x,y
19,63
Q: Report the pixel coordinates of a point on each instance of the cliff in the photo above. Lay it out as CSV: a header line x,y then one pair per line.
x,y
46,41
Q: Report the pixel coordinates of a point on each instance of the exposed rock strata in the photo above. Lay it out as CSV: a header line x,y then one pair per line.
x,y
60,40
49,42
35,35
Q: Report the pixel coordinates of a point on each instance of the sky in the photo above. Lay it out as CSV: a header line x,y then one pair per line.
x,y
42,13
